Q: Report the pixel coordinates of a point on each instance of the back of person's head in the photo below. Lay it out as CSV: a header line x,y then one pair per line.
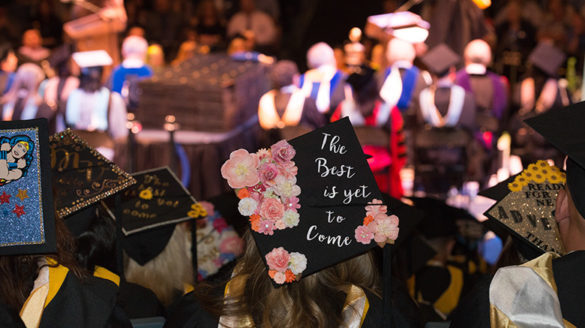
x,y
90,79
321,54
6,51
19,272
478,52
134,47
314,301
26,82
32,38
155,56
399,50
95,246
283,73
168,271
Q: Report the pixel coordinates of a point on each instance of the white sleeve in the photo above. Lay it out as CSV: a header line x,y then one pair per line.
x,y
117,119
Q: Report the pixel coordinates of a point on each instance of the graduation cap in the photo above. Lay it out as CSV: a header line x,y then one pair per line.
x,y
564,129
312,200
547,57
404,25
526,208
440,59
81,175
94,58
27,224
149,211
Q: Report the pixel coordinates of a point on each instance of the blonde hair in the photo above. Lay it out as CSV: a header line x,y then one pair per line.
x,y
321,54
166,273
398,50
315,301
478,51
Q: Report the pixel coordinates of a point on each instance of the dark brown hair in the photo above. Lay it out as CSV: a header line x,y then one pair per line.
x,y
19,272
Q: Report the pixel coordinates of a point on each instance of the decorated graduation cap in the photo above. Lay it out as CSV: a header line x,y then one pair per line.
x,y
440,59
82,178
94,58
27,221
547,57
312,202
404,25
525,207
149,211
564,129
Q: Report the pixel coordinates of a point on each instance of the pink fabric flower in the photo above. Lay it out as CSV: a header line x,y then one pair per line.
x,y
208,207
240,169
363,235
232,245
278,259
282,152
385,228
272,209
279,224
266,227
268,172
377,208
289,170
291,203
279,278
219,224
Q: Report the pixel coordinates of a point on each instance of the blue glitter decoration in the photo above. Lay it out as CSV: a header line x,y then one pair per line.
x,y
28,228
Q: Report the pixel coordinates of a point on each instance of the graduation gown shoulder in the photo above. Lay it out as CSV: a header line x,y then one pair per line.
x,y
84,303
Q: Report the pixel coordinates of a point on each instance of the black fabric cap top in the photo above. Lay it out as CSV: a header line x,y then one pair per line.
x,y
564,129
439,59
81,175
27,216
149,211
439,218
308,218
547,57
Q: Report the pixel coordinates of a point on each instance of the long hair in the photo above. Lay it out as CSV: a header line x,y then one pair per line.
x,y
315,301
166,273
19,272
25,85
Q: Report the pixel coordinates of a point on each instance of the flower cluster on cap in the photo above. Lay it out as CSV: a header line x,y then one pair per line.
x,y
377,225
265,183
539,172
285,267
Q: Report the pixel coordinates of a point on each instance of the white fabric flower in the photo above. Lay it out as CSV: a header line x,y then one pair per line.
x,y
297,263
290,218
286,187
247,206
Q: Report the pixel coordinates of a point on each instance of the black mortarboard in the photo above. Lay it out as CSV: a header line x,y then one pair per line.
x,y
527,209
27,217
564,129
440,59
439,218
310,201
547,57
81,175
149,211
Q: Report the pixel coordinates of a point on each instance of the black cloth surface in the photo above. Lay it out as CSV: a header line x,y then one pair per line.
x,y
88,303
138,302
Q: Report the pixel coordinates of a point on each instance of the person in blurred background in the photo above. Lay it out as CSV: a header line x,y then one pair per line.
x,y
22,101
8,63
260,24
32,50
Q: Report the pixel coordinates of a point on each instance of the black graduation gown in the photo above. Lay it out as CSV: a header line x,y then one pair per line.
x,y
568,270
88,303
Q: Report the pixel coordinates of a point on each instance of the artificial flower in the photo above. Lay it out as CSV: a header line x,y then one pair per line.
x,y
297,262
243,193
286,187
292,203
376,207
232,245
386,228
363,235
247,206
282,152
290,276
368,219
279,224
290,218
279,278
219,224
272,209
266,227
267,173
241,169
278,259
